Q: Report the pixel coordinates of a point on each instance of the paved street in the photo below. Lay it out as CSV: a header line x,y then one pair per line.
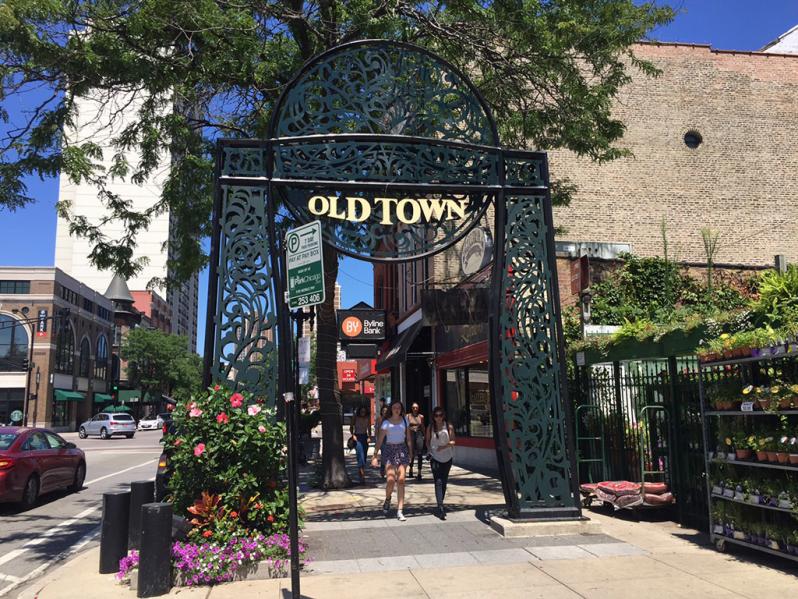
x,y
63,523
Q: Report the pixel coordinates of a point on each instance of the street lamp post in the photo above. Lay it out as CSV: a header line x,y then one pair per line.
x,y
584,299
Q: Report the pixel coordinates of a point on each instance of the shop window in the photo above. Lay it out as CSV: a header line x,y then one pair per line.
x,y
61,413
467,395
15,287
10,401
85,358
13,344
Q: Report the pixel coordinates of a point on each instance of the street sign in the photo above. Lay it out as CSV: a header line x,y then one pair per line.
x,y
16,416
361,325
305,266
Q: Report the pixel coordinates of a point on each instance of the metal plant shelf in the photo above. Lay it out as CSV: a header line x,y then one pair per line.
x,y
754,413
762,505
756,464
716,538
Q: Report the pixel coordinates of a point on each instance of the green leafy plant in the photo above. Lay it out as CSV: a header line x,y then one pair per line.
x,y
778,295
227,458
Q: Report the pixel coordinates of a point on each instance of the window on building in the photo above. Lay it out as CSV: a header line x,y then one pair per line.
x,y
88,305
13,344
101,359
70,296
105,314
65,349
85,358
16,287
10,401
467,397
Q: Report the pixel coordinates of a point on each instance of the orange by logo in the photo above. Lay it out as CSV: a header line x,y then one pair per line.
x,y
352,326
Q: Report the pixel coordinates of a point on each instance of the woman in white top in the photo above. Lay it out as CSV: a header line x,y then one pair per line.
x,y
440,441
396,444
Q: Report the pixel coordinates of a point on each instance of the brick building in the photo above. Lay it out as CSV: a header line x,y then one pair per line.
x,y
72,330
741,179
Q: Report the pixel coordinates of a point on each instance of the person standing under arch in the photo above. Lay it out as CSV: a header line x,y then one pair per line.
x,y
396,444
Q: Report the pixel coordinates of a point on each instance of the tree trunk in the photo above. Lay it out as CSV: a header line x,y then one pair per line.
x,y
335,476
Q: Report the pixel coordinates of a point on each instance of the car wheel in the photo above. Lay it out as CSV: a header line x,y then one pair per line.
x,y
31,493
104,433
80,476
82,433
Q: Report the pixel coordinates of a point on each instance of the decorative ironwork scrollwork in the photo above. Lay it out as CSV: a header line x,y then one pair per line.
x,y
384,88
245,350
529,363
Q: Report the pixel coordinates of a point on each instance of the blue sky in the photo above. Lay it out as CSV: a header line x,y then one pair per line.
x,y
27,237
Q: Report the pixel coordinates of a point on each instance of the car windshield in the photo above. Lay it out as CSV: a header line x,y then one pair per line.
x,y
122,417
6,439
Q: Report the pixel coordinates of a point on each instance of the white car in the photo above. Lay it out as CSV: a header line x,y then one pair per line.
x,y
150,423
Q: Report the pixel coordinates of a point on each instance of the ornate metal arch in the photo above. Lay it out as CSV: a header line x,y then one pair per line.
x,y
365,125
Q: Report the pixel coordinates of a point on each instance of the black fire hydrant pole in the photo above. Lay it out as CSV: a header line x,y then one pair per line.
x,y
113,536
155,566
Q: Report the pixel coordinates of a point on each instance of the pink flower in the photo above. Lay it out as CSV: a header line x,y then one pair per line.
x,y
253,410
222,418
199,449
236,399
216,387
195,412
262,429
192,405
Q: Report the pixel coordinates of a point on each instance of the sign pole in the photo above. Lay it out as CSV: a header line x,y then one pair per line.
x,y
293,517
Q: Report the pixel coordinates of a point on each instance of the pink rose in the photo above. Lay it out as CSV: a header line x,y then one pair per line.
x,y
216,387
192,405
236,399
222,418
195,413
262,429
253,410
199,449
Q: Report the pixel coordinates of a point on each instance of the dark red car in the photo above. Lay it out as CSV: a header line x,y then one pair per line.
x,y
34,461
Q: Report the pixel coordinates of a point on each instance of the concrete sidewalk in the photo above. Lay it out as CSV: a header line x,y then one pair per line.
x,y
356,552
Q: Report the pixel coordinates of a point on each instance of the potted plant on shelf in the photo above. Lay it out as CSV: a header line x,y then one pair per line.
x,y
783,450
772,450
742,448
761,443
792,450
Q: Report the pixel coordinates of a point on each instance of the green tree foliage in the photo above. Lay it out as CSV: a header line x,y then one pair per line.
x,y
657,290
158,362
201,69
778,296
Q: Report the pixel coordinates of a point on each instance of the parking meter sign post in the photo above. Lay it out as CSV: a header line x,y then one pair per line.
x,y
305,266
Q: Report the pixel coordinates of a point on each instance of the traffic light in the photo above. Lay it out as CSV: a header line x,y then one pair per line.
x,y
115,391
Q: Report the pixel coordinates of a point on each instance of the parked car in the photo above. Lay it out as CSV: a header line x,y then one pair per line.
x,y
151,423
34,461
106,425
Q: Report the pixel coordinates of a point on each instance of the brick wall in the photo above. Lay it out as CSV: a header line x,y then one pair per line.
x,y
742,181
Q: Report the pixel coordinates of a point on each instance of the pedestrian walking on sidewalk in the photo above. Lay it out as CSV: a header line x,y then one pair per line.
x,y
415,420
396,444
440,441
384,413
360,429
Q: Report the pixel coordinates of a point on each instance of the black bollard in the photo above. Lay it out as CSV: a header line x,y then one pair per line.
x,y
141,492
155,566
113,536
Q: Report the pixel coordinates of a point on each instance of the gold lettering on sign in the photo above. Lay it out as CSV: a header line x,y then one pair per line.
x,y
404,210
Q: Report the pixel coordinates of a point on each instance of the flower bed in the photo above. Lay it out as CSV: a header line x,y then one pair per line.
x,y
228,457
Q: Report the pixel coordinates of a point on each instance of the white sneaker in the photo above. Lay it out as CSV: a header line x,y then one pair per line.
x,y
400,516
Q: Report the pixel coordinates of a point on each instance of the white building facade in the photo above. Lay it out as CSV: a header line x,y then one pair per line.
x,y
71,253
